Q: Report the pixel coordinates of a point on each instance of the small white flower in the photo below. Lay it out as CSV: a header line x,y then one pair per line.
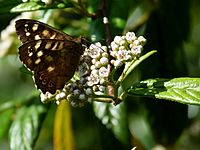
x,y
128,58
130,37
82,96
92,80
136,50
114,46
98,64
102,88
105,48
122,42
76,92
113,53
95,72
57,97
62,95
94,61
43,98
123,55
142,40
136,42
57,102
121,47
88,91
112,62
102,81
98,44
95,88
92,67
103,72
94,51
117,63
117,39
104,61
89,99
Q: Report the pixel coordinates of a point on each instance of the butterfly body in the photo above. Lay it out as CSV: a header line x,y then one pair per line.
x,y
53,56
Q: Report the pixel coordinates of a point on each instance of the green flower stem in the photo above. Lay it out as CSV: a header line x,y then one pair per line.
x,y
129,67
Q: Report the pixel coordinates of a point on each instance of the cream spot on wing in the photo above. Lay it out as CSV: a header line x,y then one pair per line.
x,y
37,61
54,47
39,54
48,45
37,37
26,25
38,44
50,68
45,32
30,54
53,36
28,33
35,27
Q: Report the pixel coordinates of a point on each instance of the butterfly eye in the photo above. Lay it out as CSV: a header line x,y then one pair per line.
x,y
44,81
41,76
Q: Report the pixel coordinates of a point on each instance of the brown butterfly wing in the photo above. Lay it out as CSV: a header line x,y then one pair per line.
x,y
29,30
53,62
53,56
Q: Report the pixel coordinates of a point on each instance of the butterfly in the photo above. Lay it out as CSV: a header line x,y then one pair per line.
x,y
52,55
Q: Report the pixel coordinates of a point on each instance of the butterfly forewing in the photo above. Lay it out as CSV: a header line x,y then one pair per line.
x,y
53,56
29,30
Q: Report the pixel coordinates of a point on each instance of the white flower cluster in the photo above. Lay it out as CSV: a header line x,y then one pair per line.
x,y
94,69
98,77
126,48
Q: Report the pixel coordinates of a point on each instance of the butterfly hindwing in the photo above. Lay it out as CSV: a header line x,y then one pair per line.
x,y
51,55
52,75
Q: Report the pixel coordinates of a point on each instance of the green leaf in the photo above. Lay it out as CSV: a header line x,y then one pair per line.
x,y
182,90
139,16
5,120
6,6
38,5
114,117
141,130
25,128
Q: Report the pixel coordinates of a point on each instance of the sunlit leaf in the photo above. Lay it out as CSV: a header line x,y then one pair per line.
x,y
182,90
25,128
38,5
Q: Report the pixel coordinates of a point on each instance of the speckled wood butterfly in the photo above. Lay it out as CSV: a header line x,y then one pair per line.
x,y
51,55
